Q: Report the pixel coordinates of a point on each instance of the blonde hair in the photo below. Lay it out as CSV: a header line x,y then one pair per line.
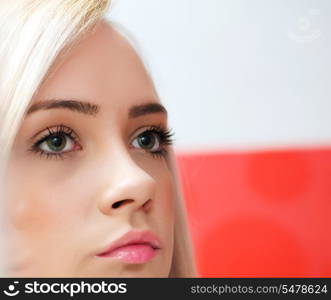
x,y
33,34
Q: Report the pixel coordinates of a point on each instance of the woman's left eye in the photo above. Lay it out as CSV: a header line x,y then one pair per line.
x,y
149,141
154,140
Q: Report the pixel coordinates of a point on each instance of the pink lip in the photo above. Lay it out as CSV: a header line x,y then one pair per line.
x,y
133,247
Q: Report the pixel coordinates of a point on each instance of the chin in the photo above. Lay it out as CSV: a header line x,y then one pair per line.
x,y
130,272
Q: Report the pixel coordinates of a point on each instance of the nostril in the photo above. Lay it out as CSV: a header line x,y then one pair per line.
x,y
117,204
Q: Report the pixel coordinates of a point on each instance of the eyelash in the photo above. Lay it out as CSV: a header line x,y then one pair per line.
x,y
165,138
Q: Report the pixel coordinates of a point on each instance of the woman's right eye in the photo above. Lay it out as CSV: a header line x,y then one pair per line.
x,y
57,142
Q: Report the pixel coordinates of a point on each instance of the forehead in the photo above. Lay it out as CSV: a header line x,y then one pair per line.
x,y
102,67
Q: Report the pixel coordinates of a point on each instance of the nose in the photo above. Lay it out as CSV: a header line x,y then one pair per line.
x,y
126,188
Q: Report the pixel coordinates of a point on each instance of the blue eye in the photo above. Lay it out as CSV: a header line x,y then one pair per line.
x,y
148,140
154,140
62,140
57,142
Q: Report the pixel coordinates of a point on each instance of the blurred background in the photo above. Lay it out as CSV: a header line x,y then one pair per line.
x,y
247,86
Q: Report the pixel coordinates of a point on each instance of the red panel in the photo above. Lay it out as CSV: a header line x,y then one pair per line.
x,y
261,214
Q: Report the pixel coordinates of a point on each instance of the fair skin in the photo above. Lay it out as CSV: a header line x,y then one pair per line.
x,y
63,210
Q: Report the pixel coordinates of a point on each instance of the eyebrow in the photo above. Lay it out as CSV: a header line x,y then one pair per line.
x,y
73,105
88,108
148,108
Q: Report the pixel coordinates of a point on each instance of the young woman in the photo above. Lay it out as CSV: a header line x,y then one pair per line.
x,y
88,176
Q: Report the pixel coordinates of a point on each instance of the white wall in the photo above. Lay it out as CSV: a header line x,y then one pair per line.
x,y
238,74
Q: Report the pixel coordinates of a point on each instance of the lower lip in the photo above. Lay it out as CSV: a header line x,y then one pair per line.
x,y
133,254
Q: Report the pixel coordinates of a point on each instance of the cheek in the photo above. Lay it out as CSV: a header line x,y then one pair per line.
x,y
165,202
35,204
165,216
166,197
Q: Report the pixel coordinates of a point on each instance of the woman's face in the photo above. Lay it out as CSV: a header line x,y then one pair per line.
x,y
89,165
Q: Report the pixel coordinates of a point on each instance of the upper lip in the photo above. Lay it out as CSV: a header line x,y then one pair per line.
x,y
133,237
